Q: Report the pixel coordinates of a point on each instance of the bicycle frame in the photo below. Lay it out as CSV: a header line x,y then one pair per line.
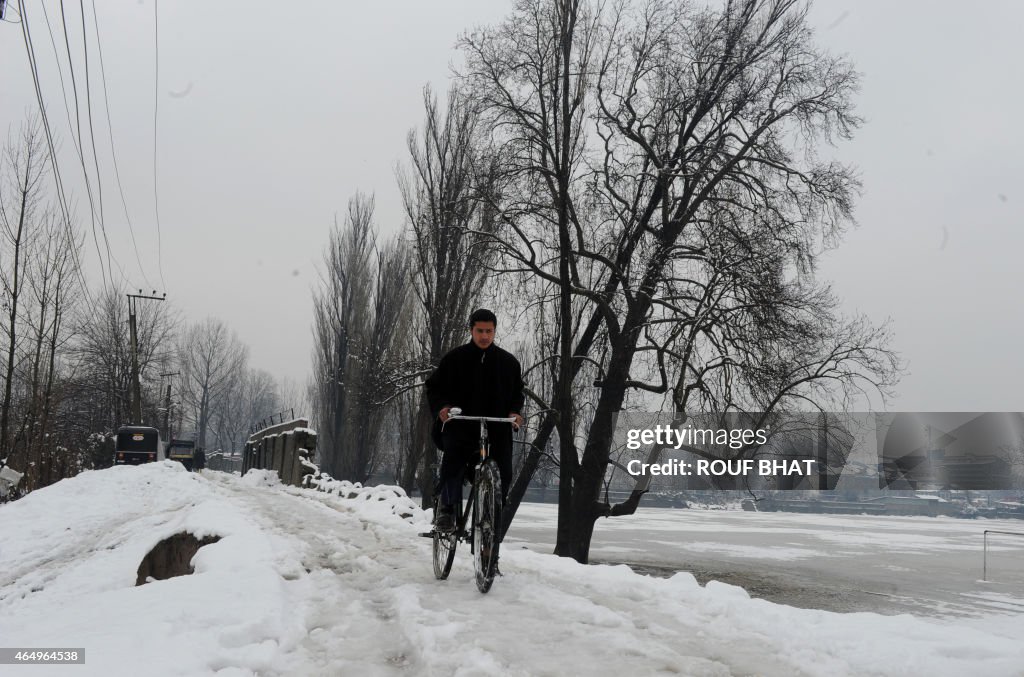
x,y
479,525
484,449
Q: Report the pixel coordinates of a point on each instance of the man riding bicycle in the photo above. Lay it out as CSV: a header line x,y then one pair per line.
x,y
483,380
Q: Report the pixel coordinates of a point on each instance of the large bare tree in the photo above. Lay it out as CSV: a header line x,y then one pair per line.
x,y
697,208
339,306
361,331
449,191
531,76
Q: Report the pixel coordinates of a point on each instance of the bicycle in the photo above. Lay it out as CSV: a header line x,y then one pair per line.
x,y
482,515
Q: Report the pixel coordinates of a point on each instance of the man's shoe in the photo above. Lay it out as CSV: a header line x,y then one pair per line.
x,y
445,519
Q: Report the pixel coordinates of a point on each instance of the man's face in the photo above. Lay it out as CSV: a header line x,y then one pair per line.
x,y
483,334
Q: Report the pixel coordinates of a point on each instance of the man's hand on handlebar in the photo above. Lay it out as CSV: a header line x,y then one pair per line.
x,y
518,420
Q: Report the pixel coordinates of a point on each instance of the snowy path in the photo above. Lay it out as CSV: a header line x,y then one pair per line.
x,y
383,610
306,583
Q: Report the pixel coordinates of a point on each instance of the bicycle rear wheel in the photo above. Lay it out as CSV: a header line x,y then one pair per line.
x,y
444,550
486,523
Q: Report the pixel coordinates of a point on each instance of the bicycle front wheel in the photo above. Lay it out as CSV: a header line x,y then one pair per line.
x,y
444,551
486,523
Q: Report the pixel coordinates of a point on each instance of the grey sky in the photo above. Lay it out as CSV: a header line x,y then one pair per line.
x,y
272,115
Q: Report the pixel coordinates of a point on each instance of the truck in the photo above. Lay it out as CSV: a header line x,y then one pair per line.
x,y
182,451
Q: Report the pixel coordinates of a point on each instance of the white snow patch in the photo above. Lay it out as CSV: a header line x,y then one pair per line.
x,y
336,581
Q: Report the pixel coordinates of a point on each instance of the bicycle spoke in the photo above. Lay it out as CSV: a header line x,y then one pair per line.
x,y
444,550
485,532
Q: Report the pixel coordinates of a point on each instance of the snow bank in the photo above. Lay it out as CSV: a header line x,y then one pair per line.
x,y
68,560
378,501
336,582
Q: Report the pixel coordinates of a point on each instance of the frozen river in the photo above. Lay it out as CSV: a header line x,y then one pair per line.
x,y
921,565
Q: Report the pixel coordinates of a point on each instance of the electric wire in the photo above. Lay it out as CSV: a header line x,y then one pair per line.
x,y
58,181
81,156
92,132
75,141
60,74
156,109
113,150
78,147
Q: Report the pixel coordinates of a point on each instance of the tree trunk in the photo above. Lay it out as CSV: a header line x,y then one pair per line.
x,y
522,482
422,448
568,468
5,406
204,406
586,504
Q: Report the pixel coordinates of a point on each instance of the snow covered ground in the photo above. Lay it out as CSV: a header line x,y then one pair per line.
x,y
307,583
922,565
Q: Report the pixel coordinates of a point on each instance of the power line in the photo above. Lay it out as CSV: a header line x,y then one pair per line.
x,y
60,74
156,109
113,151
81,154
92,134
61,197
112,263
76,139
112,260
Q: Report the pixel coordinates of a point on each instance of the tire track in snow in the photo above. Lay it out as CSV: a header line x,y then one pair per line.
x,y
375,581
335,572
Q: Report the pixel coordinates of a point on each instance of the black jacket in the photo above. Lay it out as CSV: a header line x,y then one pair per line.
x,y
481,382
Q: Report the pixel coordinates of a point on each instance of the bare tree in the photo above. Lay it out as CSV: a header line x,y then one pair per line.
x,y
256,397
362,338
292,396
695,226
22,182
212,361
53,282
531,76
384,351
102,351
449,192
343,296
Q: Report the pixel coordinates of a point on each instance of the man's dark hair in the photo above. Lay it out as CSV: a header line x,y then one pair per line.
x,y
482,315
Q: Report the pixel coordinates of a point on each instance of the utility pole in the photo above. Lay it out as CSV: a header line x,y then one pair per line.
x,y
167,405
136,385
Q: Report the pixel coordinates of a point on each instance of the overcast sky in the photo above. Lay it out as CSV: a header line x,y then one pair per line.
x,y
271,115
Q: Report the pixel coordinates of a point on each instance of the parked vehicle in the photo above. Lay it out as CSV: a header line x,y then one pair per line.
x,y
137,444
182,451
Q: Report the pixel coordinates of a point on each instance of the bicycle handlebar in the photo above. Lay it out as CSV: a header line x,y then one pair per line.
x,y
455,413
460,417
